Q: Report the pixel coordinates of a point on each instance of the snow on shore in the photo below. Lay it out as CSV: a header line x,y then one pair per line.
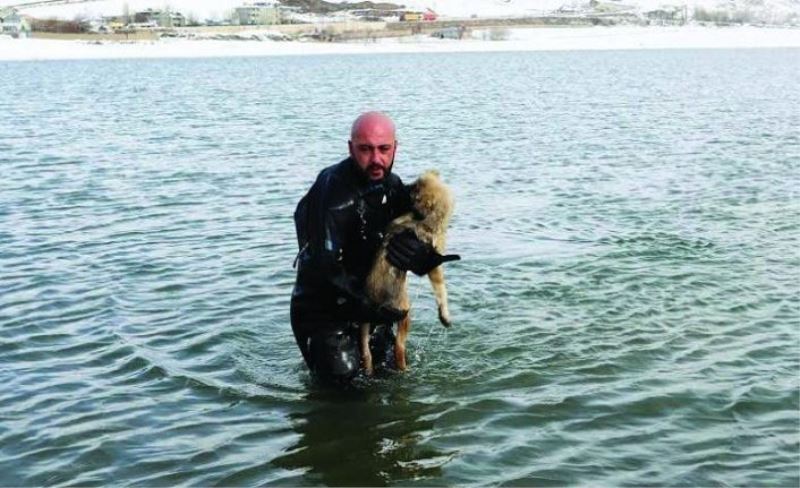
x,y
203,9
517,39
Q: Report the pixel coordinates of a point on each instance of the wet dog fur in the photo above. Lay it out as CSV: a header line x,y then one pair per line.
x,y
433,205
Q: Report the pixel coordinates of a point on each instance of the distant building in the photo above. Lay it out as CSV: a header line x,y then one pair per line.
x,y
172,19
12,24
159,18
427,16
410,16
114,23
667,15
258,13
374,14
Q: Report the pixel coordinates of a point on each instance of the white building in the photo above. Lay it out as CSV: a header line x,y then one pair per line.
x,y
257,13
12,24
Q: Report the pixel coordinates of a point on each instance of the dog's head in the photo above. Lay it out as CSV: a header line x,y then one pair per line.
x,y
431,198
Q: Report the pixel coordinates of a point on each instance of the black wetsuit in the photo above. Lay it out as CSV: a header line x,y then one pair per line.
x,y
340,224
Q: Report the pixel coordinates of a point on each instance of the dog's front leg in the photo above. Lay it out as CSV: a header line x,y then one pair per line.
x,y
440,292
403,328
366,355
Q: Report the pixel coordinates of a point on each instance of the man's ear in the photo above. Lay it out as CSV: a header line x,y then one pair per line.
x,y
350,148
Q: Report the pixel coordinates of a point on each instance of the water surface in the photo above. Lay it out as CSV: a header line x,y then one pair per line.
x,y
626,312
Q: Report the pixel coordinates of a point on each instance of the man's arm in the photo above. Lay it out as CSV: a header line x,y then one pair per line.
x,y
328,246
405,251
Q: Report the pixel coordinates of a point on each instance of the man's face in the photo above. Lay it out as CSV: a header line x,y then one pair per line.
x,y
373,147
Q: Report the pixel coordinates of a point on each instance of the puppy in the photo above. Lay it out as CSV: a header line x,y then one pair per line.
x,y
433,205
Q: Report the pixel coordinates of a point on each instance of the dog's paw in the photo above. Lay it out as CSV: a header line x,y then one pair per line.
x,y
444,318
368,369
366,358
400,359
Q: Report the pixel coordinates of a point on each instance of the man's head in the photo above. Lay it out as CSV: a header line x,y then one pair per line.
x,y
373,144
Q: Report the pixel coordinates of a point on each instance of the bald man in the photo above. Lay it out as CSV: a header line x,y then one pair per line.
x,y
340,224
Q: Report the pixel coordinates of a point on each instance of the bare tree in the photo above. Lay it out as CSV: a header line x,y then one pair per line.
x,y
191,19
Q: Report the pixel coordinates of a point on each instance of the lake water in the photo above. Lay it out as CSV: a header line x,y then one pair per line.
x,y
627,310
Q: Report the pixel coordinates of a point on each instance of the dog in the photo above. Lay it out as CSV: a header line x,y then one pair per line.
x,y
432,204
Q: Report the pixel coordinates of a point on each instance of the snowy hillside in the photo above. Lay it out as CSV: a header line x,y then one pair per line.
x,y
512,8
213,9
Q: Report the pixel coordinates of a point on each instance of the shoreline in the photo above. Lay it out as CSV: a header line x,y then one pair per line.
x,y
519,39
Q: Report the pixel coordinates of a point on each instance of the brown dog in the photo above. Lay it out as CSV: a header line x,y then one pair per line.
x,y
386,285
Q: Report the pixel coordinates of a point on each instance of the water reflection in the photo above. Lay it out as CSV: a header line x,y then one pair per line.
x,y
362,437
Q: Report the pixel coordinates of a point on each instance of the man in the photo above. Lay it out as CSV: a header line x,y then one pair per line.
x,y
340,224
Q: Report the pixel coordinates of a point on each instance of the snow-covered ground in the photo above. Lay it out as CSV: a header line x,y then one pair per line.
x,y
202,9
538,39
217,9
621,37
512,8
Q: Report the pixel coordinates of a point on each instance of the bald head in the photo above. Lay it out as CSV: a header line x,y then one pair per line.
x,y
371,122
373,144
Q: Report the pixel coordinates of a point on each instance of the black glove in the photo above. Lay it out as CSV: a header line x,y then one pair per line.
x,y
407,253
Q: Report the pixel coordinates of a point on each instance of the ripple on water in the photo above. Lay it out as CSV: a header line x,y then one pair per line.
x,y
625,312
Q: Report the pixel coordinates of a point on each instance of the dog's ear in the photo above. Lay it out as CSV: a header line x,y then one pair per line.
x,y
433,172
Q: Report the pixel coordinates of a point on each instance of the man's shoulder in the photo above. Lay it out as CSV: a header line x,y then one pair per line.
x,y
333,184
334,171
